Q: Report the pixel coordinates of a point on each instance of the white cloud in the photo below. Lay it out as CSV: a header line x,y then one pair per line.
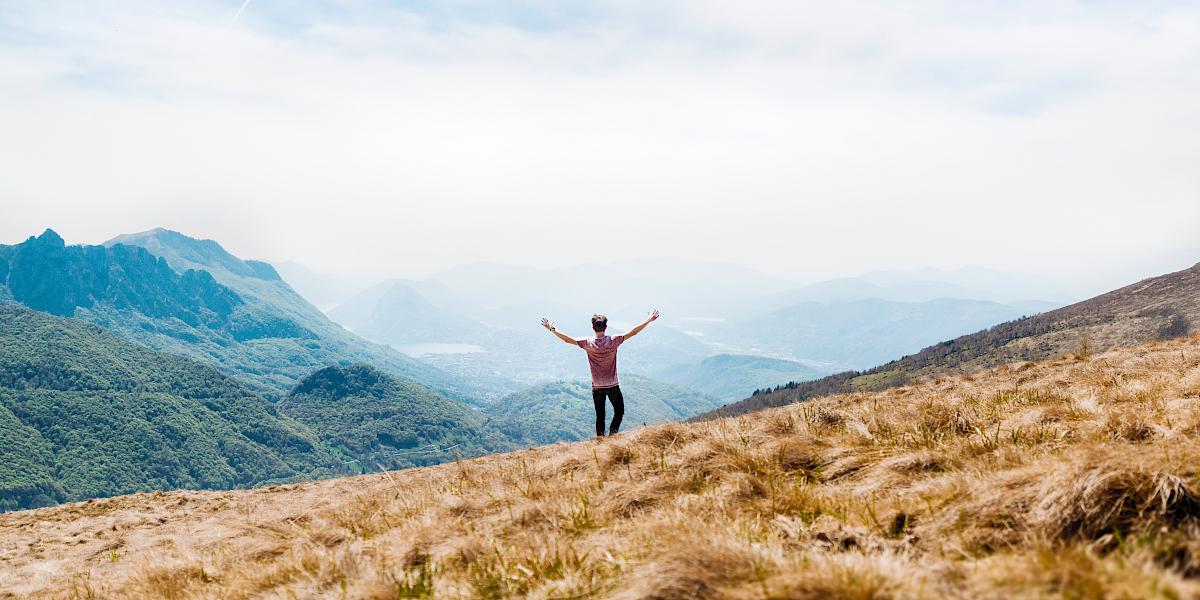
x,y
795,138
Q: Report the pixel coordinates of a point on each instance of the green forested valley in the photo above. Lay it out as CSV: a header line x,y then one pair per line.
x,y
380,421
84,413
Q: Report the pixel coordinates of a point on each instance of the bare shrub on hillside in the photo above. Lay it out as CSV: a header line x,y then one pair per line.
x,y
1176,327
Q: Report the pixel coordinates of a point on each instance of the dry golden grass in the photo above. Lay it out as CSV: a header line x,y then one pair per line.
x,y
1071,478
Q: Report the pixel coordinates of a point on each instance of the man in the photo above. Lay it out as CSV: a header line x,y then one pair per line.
x,y
602,358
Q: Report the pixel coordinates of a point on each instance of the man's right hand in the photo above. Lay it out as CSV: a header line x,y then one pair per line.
x,y
547,324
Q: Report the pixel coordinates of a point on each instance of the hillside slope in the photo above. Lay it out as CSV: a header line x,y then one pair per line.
x,y
84,413
383,422
276,364
1071,478
1161,307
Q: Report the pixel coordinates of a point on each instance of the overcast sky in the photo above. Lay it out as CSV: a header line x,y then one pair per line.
x,y
802,139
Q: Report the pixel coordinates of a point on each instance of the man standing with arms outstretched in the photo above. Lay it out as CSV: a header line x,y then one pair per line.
x,y
602,358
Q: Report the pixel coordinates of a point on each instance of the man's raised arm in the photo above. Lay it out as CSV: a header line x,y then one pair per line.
x,y
636,330
562,336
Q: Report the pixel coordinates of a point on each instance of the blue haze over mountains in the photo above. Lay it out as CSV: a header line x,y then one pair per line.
x,y
485,315
191,298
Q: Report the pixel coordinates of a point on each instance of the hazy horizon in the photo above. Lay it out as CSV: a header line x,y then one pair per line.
x,y
376,139
1081,286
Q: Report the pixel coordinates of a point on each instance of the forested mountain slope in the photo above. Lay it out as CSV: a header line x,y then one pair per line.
x,y
1161,307
45,274
84,413
278,363
380,421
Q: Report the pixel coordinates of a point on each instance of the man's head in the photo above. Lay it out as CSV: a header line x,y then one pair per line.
x,y
599,323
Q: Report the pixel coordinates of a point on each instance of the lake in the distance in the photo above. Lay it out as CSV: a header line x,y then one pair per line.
x,y
423,349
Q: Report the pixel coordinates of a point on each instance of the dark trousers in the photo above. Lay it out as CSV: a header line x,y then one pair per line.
x,y
618,401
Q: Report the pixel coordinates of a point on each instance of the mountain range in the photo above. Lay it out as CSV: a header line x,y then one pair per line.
x,y
323,290
275,362
403,315
397,313
463,320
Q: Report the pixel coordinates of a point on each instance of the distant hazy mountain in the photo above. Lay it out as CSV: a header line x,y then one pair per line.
x,y
508,340
851,289
730,377
321,290
849,322
84,414
394,312
988,284
274,364
381,421
864,333
921,285
564,410
1161,307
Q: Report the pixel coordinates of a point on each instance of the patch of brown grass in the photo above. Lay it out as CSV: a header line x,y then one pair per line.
x,y
1115,493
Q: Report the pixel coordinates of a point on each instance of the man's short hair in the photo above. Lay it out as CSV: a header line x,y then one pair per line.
x,y
599,323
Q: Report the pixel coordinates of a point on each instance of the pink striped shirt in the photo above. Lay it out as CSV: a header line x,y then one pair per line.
x,y
602,358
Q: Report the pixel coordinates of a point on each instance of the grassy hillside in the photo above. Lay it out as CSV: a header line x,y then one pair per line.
x,y
382,421
564,410
277,363
84,414
1159,308
734,376
1073,478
